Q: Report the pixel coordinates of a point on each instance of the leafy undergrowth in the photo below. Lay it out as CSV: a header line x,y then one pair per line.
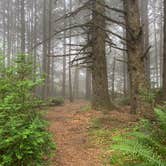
x,y
106,126
130,143
144,145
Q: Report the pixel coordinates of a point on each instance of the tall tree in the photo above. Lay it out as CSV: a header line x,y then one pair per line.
x,y
70,42
88,84
138,80
164,54
99,67
145,39
22,26
64,57
45,50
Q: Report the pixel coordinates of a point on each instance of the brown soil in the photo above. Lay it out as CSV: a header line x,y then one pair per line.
x,y
70,124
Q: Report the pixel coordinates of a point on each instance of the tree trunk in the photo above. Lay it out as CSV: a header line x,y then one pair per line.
x,y
45,50
64,58
138,82
164,54
113,78
23,26
70,74
100,98
145,38
76,83
88,84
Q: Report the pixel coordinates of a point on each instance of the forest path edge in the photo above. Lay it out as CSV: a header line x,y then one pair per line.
x,y
69,125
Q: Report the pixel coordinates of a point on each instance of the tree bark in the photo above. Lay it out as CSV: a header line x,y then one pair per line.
x,y
23,26
164,54
64,57
138,81
145,39
100,98
45,50
88,84
70,74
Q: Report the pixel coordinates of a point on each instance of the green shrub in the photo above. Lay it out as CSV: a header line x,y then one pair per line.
x,y
24,139
24,143
145,146
58,101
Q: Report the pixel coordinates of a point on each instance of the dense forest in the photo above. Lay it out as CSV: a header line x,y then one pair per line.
x,y
83,82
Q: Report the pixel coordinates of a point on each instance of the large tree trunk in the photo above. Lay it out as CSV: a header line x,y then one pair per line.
x,y
100,98
164,54
138,81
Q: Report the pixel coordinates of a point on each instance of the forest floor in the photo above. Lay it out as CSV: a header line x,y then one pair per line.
x,y
70,125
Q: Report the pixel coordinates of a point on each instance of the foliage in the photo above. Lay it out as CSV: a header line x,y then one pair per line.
x,y
58,101
24,139
86,108
101,136
96,123
148,96
144,146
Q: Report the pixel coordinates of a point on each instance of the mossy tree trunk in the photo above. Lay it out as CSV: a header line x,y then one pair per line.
x,y
138,80
100,98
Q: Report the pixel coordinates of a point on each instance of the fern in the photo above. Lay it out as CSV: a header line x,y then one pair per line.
x,y
161,114
142,148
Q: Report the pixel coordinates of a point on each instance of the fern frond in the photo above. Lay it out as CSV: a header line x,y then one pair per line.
x,y
161,115
149,141
136,150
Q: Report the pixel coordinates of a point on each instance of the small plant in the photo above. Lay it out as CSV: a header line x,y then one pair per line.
x,y
144,146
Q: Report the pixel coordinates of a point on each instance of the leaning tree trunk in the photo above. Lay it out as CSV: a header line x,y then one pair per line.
x,y
100,99
138,81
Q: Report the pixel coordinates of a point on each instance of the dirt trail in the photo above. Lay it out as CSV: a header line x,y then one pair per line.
x,y
70,127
